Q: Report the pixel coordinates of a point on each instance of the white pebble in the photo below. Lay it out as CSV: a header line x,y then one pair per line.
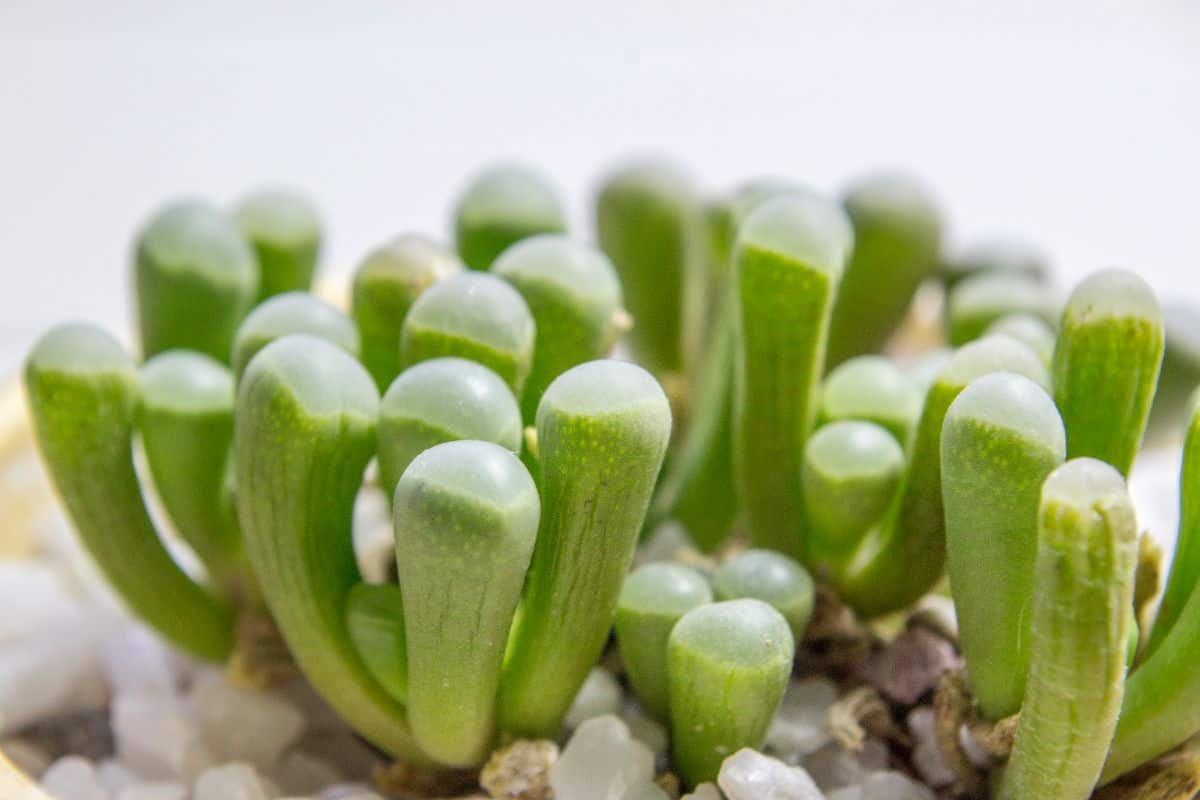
x,y
137,661
705,791
348,791
53,672
750,775
833,767
114,776
801,725
846,793
250,726
231,782
599,695
927,754
157,737
602,761
646,730
73,778
894,786
34,595
300,774
153,791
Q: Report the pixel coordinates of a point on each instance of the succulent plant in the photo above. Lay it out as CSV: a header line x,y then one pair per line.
x,y
472,388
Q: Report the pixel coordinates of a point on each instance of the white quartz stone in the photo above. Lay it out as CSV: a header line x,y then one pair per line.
x,y
602,761
158,738
153,791
137,661
648,731
52,672
801,725
232,782
73,778
846,793
894,786
251,726
599,695
705,791
927,755
833,767
114,776
299,773
750,775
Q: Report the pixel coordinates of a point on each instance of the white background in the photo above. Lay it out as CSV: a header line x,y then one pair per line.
x,y
1075,124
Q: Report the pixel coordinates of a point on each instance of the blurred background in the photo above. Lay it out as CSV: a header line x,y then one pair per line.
x,y
1075,125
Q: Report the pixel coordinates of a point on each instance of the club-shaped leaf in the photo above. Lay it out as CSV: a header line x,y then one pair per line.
x,y
602,431
575,298
386,284
655,596
500,206
186,423
476,316
290,313
304,430
789,257
195,277
648,221
1002,437
897,238
1081,616
1106,363
978,301
873,389
443,400
777,580
284,228
375,620
1000,255
83,394
1033,332
728,666
466,516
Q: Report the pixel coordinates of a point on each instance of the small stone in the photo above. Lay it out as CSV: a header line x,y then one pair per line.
x,y
349,791
251,726
114,776
974,752
341,748
86,733
153,791
231,782
801,725
750,775
137,661
927,754
34,596
599,695
520,771
28,757
157,737
846,793
73,778
55,671
894,786
602,761
705,791
647,731
833,767
299,773
668,542
911,665
646,791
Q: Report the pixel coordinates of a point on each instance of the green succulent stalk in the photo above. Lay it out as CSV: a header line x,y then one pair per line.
x,y
575,299
443,400
897,239
1083,593
974,304
998,256
648,221
728,666
1180,373
284,229
789,258
872,389
291,313
476,316
375,621
386,285
1033,332
602,432
1106,364
503,205
304,430
777,580
83,396
195,278
1002,437
466,516
653,599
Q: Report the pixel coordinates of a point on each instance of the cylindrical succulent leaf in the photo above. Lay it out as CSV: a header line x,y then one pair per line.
x,y
790,255
1180,373
1106,363
386,284
602,431
375,620
975,303
304,430
907,557
284,228
83,394
653,599
195,277
500,206
1083,593
1002,437
873,389
728,666
648,221
897,238
476,316
1009,256
777,580
1033,332
291,313
443,400
851,474
466,516
186,422
575,298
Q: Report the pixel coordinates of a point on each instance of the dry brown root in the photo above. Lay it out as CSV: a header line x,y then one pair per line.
x,y
952,708
1172,776
405,782
860,712
260,659
520,770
